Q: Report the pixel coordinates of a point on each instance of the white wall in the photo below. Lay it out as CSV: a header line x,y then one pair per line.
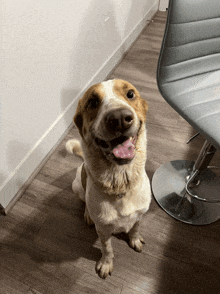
x,y
51,52
163,5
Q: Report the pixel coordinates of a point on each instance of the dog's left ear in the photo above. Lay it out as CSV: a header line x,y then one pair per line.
x,y
78,119
144,107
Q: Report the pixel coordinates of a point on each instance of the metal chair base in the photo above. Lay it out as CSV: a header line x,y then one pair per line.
x,y
169,189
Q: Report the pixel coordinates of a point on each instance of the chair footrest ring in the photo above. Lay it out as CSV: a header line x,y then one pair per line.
x,y
169,189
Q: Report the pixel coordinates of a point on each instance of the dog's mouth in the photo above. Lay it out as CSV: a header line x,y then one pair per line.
x,y
122,148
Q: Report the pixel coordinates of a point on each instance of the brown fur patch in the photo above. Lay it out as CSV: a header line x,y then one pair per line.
x,y
121,89
83,177
90,103
88,107
111,178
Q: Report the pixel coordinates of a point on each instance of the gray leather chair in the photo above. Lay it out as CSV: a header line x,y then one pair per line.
x,y
188,77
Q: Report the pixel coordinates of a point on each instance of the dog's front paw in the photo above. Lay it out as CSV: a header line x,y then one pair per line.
x,y
136,243
87,218
104,267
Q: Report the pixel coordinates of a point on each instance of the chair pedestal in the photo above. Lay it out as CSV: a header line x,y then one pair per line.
x,y
188,191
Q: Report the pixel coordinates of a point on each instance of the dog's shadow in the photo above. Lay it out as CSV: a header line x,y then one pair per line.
x,y
45,232
51,233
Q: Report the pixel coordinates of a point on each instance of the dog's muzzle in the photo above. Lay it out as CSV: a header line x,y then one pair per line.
x,y
118,120
118,123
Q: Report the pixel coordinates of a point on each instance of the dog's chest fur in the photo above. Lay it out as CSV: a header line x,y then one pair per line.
x,y
117,192
120,213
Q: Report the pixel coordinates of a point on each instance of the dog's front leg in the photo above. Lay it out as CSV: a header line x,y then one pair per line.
x,y
87,218
104,266
135,239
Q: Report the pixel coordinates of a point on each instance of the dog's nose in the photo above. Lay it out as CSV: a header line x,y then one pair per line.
x,y
119,120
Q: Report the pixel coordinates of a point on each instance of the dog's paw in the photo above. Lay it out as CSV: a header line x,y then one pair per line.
x,y
104,268
88,219
136,243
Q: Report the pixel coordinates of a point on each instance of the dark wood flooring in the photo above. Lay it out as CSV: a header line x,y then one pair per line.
x,y
45,246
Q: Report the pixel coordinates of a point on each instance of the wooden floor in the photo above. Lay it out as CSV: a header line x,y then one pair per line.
x,y
45,247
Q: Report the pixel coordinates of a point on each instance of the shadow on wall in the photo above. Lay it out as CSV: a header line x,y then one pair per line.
x,y
2,178
49,232
99,36
94,45
87,57
16,150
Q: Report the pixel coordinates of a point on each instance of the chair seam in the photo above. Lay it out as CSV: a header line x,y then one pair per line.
x,y
194,21
190,76
197,41
201,102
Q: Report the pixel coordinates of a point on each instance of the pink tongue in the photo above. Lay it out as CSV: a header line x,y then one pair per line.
x,y
125,150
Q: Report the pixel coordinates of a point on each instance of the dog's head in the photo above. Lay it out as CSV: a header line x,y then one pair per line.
x,y
109,116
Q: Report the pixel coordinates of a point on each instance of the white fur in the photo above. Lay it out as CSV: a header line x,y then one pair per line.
x,y
110,213
110,101
77,184
74,146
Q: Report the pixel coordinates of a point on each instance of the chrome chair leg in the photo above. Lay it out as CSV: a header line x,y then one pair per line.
x,y
188,191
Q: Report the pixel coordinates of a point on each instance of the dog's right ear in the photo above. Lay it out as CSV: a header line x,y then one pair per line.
x,y
78,120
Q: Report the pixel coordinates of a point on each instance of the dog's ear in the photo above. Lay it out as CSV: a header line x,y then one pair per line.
x,y
78,119
144,108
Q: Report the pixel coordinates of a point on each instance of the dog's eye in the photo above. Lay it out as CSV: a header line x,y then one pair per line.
x,y
131,94
93,103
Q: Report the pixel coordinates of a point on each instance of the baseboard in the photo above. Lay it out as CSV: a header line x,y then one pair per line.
x,y
24,175
25,172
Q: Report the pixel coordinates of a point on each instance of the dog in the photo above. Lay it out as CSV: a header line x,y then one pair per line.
x,y
112,180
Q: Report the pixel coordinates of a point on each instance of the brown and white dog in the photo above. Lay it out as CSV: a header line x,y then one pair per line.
x,y
112,180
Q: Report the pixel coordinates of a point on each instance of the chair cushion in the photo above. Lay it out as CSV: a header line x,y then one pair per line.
x,y
188,73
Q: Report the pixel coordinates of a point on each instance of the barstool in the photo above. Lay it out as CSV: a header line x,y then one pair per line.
x,y
188,77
